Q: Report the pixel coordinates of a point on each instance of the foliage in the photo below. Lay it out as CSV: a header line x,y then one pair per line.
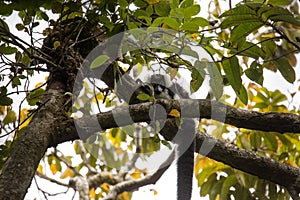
x,y
245,41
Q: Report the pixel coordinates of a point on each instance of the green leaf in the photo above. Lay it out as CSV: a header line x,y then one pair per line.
x,y
166,143
56,44
244,142
255,139
241,31
285,140
190,26
143,97
15,82
140,3
5,101
25,60
278,97
242,95
255,73
241,9
140,13
280,14
215,190
270,141
8,50
285,69
44,16
269,47
34,96
249,49
206,186
56,7
187,50
131,25
215,80
100,60
149,10
191,11
123,4
239,19
162,8
171,23
280,2
200,21
158,21
232,70
261,105
177,13
186,3
243,13
198,75
5,9
229,182
10,117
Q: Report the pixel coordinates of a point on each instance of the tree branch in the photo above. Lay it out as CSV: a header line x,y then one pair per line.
x,y
263,121
134,184
247,161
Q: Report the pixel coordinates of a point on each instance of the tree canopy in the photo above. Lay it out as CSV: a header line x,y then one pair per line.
x,y
69,73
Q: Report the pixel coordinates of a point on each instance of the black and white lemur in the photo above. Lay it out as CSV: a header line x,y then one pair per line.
x,y
160,87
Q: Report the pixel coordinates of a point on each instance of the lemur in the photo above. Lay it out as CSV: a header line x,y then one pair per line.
x,y
161,87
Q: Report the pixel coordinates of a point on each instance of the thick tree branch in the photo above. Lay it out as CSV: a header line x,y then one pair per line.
x,y
268,121
249,162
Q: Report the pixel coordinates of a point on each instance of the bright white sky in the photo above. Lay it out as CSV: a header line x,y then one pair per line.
x,y
166,186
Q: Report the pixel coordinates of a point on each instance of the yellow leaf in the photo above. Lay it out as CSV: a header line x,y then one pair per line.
x,y
2,109
136,175
195,36
75,145
40,169
53,168
38,85
152,2
125,196
23,117
68,172
155,192
105,187
92,193
174,113
292,163
99,98
173,73
23,114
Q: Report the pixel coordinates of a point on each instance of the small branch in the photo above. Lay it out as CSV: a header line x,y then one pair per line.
x,y
247,48
103,177
132,185
51,179
65,162
281,32
84,156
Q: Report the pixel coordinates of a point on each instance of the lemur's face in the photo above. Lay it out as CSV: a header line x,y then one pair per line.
x,y
162,92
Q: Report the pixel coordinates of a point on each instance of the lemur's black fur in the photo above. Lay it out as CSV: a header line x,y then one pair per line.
x,y
161,87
